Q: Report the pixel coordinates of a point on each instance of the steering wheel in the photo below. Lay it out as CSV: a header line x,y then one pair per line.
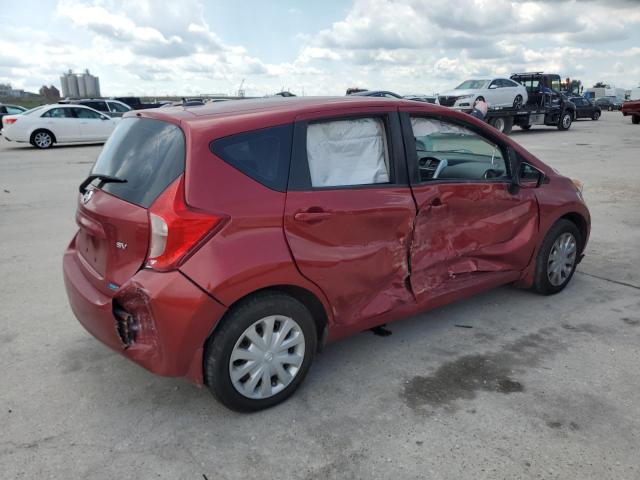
x,y
492,173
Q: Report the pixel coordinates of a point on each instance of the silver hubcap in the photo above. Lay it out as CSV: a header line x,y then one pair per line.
x,y
566,121
518,102
267,357
499,124
42,139
562,259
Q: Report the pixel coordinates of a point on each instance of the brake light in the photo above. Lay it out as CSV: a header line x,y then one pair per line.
x,y
9,121
175,228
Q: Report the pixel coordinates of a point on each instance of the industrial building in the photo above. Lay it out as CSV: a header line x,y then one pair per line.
x,y
80,85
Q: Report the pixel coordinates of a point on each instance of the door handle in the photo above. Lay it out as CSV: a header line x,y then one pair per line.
x,y
311,217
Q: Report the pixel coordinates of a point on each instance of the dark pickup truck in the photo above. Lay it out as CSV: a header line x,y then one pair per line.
x,y
632,107
136,104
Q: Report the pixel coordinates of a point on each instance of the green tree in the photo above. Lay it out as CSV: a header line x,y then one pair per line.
x,y
601,85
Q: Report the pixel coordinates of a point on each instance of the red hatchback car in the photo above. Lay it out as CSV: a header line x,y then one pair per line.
x,y
228,243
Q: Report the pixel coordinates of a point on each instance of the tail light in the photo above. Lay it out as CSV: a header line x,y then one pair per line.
x,y
176,229
9,121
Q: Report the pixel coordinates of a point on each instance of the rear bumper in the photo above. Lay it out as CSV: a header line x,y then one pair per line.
x,y
170,338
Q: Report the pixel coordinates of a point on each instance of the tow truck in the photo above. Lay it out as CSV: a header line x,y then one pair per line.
x,y
546,105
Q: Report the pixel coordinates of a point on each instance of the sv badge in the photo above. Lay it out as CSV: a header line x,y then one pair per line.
x,y
121,245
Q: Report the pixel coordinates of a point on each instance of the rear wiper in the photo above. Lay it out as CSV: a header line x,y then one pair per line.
x,y
103,179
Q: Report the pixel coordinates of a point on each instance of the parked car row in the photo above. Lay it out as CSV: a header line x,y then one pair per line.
x,y
58,123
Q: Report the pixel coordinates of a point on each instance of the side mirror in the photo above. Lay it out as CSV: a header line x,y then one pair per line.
x,y
531,176
104,117
514,169
491,87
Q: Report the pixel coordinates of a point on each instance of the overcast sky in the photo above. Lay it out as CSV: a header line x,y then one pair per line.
x,y
189,47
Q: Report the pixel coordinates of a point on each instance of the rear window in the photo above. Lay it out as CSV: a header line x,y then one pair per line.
x,y
261,154
148,154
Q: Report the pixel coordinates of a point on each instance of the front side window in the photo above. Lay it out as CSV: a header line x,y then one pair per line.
x,y
58,113
348,152
86,113
102,106
447,151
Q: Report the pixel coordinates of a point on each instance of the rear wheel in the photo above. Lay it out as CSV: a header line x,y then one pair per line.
x,y
502,124
635,119
557,258
595,116
261,352
517,102
525,127
42,139
565,121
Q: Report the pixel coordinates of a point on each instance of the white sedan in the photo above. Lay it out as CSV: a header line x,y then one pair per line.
x,y
59,123
497,92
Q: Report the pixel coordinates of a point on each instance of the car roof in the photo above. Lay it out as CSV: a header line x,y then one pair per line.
x,y
268,111
293,105
366,93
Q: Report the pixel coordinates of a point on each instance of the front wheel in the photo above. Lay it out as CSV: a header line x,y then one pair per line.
x,y
565,121
595,116
525,127
261,352
557,258
635,119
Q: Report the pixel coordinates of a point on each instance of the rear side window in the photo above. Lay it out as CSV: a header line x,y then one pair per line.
x,y
58,113
348,152
261,154
148,154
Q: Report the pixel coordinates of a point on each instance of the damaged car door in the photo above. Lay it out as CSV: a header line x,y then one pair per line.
x,y
471,228
349,210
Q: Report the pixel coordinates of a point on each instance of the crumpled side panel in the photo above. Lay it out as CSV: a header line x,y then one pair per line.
x,y
357,255
466,229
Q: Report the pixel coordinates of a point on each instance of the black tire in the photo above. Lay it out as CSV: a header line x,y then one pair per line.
x,y
595,116
564,122
517,102
502,124
541,283
525,127
220,345
635,119
42,139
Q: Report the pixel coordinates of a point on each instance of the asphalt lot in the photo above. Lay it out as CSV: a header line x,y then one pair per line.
x,y
540,387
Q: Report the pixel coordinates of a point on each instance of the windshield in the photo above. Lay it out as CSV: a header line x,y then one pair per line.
x,y
471,85
148,154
